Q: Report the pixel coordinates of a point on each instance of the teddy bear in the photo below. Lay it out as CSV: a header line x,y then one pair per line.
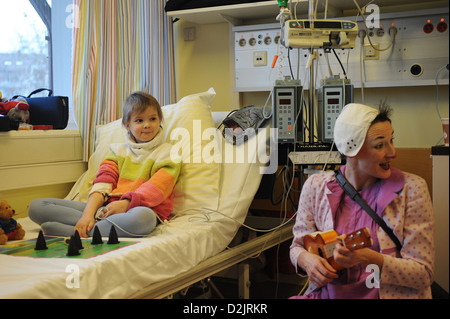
x,y
9,228
18,110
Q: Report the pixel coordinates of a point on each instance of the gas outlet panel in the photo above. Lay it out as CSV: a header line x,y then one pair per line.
x,y
420,49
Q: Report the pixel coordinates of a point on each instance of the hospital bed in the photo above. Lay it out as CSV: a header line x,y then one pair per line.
x,y
211,202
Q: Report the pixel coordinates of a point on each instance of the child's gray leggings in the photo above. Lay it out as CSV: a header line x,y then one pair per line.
x,y
58,217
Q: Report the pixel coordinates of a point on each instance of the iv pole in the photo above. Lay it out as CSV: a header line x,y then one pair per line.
x,y
311,98
284,13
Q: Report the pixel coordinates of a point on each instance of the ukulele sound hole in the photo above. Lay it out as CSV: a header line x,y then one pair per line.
x,y
320,252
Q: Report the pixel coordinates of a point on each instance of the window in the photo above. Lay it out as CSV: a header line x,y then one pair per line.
x,y
25,54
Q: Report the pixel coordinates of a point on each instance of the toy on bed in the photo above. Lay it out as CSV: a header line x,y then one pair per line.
x,y
9,228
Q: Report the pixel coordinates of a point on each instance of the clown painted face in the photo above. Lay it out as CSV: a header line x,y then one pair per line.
x,y
374,159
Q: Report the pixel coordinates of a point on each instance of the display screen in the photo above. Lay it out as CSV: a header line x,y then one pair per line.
x,y
333,101
324,25
285,101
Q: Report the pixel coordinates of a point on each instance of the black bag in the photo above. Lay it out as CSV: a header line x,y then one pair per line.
x,y
239,123
49,110
7,124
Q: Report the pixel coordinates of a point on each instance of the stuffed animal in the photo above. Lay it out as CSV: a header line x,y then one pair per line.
x,y
18,110
9,228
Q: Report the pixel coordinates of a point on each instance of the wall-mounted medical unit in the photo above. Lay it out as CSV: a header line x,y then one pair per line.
x,y
407,49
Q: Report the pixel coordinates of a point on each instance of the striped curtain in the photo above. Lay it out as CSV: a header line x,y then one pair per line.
x,y
120,46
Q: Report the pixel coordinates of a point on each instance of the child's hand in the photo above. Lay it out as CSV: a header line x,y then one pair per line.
x,y
84,225
118,207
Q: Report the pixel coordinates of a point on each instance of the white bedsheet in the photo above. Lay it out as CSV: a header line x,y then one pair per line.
x,y
172,249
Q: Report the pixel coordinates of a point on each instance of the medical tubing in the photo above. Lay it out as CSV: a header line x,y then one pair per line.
x,y
212,211
437,89
394,30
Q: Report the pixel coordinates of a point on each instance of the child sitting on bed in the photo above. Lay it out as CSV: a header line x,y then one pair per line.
x,y
133,187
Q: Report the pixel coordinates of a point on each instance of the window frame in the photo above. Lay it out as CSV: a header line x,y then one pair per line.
x,y
44,11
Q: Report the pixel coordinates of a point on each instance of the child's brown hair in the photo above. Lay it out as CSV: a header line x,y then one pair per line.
x,y
138,102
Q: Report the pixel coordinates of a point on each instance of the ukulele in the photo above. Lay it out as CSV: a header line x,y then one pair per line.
x,y
323,243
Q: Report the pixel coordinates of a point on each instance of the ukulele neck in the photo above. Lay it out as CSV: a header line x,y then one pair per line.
x,y
329,248
353,241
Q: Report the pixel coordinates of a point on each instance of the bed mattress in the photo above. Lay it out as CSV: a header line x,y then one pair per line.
x,y
172,249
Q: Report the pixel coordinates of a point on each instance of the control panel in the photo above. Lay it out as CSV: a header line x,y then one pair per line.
x,y
332,98
287,99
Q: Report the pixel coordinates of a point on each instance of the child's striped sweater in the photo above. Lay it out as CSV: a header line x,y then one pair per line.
x,y
142,173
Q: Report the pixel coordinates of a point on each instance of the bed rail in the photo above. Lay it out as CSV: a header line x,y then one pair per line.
x,y
213,265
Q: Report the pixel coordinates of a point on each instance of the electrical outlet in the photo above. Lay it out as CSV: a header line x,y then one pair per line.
x,y
189,34
371,53
260,58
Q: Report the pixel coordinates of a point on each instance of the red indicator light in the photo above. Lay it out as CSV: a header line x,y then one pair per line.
x,y
428,28
442,27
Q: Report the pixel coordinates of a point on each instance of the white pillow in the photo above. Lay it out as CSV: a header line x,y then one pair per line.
x,y
198,183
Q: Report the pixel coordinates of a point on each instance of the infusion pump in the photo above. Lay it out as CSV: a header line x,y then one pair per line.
x,y
326,34
334,94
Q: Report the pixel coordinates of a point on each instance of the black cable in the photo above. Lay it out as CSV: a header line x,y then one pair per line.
x,y
290,65
305,116
274,201
339,60
287,190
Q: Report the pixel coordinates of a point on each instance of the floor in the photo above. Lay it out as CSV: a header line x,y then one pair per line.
x,y
267,289
262,286
271,276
